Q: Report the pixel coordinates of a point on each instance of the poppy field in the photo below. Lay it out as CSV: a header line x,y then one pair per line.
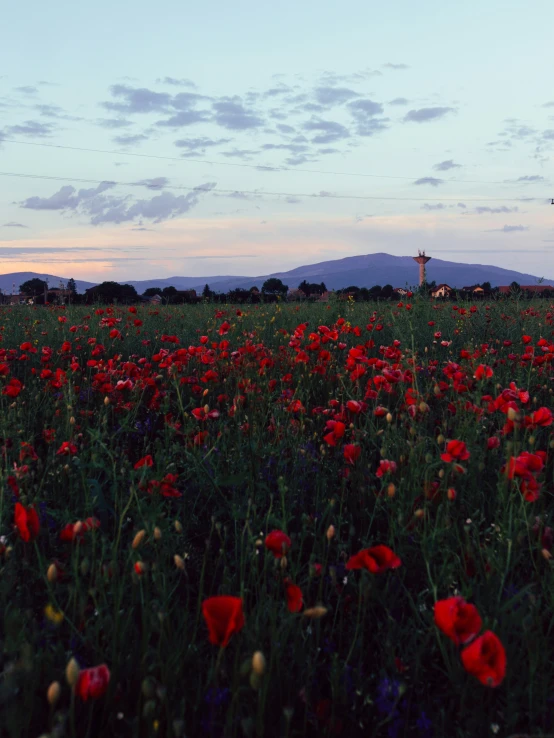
x,y
277,520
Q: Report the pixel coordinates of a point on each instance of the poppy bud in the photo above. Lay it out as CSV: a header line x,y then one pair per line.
x,y
178,527
440,439
315,612
258,663
157,534
391,490
205,392
52,573
388,418
451,494
72,672
106,400
138,539
419,513
531,440
330,533
441,473
546,554
77,528
179,562
513,414
72,420
53,693
283,562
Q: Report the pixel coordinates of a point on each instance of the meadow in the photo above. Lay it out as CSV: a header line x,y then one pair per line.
x,y
277,520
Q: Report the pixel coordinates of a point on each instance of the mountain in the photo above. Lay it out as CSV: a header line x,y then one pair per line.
x,y
8,280
363,271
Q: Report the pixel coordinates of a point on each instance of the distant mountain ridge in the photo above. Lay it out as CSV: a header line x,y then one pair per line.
x,y
363,271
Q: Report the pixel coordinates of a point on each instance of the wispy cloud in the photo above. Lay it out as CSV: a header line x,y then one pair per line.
x,y
424,115
12,224
432,181
444,166
509,229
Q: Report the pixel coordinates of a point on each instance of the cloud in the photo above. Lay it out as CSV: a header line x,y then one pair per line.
x,y
510,229
137,100
54,111
239,154
429,181
184,118
334,95
291,200
113,123
548,135
365,108
389,65
175,82
461,205
31,128
399,101
444,166
274,91
130,140
157,183
330,131
502,209
231,114
63,199
66,198
364,112
438,206
142,228
199,145
12,224
159,208
549,104
423,115
283,128
528,178
26,90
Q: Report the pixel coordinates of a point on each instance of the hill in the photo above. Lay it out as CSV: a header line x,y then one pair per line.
x,y
363,271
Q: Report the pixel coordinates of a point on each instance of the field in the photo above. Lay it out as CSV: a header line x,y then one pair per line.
x,y
222,521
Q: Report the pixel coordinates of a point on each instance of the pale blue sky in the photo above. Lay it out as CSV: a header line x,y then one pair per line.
x,y
428,91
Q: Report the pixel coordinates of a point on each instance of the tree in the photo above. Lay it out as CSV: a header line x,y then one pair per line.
x,y
206,292
386,291
34,286
112,291
151,291
486,287
274,286
514,287
72,286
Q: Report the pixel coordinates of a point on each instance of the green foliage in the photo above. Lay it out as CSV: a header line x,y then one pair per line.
x,y
108,292
33,286
274,286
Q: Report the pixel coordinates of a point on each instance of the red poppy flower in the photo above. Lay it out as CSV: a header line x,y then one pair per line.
x,y
385,466
13,388
223,616
26,521
352,453
455,451
457,619
293,593
336,431
541,417
483,372
67,449
92,683
485,658
278,543
376,560
145,461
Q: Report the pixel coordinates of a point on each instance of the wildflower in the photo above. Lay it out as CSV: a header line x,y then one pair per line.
x,y
457,619
224,617
351,453
53,693
258,663
485,659
67,449
53,615
278,543
294,597
27,522
92,683
145,461
13,388
455,451
336,431
376,560
385,466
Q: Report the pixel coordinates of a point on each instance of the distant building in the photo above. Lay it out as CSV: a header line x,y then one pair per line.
x,y
295,295
19,299
441,290
401,291
475,290
325,297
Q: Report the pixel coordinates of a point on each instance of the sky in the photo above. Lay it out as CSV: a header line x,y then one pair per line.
x,y
142,140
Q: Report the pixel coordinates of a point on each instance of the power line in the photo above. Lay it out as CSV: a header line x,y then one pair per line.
x,y
259,193
259,167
